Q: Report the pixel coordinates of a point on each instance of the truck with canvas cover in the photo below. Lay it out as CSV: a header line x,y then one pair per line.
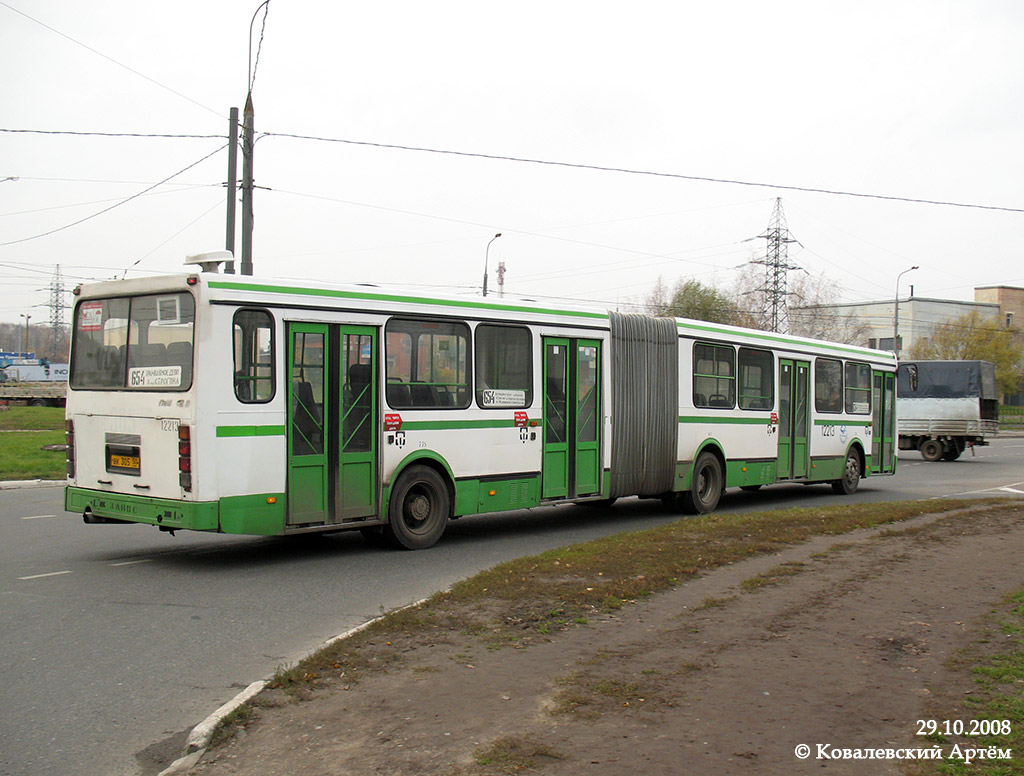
x,y
944,407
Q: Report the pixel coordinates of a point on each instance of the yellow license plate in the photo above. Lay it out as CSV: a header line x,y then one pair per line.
x,y
124,461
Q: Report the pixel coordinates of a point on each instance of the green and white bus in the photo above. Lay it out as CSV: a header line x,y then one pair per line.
x,y
226,403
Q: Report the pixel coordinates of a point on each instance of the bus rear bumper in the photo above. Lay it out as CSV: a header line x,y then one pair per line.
x,y
99,506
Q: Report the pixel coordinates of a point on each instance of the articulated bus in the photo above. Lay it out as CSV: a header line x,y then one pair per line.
x,y
225,403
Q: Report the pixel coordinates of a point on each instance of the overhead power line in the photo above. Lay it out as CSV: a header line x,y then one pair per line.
x,y
117,204
111,134
110,59
653,173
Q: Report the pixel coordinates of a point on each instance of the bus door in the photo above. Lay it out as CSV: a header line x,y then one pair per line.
x,y
572,418
332,409
883,422
794,418
308,475
356,493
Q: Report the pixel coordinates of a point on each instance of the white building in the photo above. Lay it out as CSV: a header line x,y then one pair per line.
x,y
918,318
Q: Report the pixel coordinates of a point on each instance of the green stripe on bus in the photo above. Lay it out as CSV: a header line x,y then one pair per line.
x,y
724,419
439,425
249,431
337,294
803,344
842,422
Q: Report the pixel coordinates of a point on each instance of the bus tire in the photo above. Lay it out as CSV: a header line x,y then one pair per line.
x,y
707,485
847,484
932,449
419,509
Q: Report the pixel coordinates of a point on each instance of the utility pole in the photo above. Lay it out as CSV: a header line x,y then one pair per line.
x,y
776,264
247,147
247,144
229,242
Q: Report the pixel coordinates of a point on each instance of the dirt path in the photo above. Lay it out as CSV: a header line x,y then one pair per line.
x,y
842,646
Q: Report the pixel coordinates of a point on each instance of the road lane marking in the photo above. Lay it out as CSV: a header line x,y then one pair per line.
x,y
132,562
37,517
1013,490
51,574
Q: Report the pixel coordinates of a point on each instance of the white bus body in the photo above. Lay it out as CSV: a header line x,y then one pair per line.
x,y
232,404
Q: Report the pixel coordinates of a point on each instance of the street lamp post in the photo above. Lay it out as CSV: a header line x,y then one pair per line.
x,y
27,319
896,313
487,255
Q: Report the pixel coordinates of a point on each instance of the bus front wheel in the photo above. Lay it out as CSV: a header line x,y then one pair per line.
x,y
707,485
847,485
419,509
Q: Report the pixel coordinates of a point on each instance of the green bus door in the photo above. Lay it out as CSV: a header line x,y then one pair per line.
x,y
332,409
883,423
794,419
572,418
356,491
308,482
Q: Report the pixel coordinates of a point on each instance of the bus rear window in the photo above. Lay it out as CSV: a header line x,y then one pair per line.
x,y
134,343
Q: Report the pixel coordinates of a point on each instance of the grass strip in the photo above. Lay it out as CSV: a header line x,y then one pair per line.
x,y
527,599
32,419
22,456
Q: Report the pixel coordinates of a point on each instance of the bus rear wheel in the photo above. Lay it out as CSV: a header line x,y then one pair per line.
x,y
419,509
847,485
707,486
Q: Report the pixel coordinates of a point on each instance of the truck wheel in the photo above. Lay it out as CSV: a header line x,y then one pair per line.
x,y
931,449
419,509
37,403
956,447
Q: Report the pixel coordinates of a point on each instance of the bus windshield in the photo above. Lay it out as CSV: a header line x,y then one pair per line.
x,y
134,343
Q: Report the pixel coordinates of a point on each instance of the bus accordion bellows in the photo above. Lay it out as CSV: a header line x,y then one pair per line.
x,y
231,404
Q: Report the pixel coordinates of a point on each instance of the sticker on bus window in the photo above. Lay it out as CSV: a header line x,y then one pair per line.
x,y
90,316
154,377
168,310
494,398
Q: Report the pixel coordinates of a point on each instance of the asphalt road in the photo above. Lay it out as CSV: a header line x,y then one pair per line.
x,y
118,639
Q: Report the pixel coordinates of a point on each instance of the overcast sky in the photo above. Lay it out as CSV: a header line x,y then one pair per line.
x,y
919,100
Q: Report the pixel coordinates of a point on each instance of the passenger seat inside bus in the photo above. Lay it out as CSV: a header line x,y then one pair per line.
x,y
153,354
398,395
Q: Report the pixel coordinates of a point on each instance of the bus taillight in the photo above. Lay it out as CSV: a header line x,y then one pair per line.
x,y
185,457
69,440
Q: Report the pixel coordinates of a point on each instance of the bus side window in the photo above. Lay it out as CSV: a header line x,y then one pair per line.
x,y
254,362
828,385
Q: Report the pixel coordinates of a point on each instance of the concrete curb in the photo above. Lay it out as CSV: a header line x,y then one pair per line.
x,y
16,484
199,738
